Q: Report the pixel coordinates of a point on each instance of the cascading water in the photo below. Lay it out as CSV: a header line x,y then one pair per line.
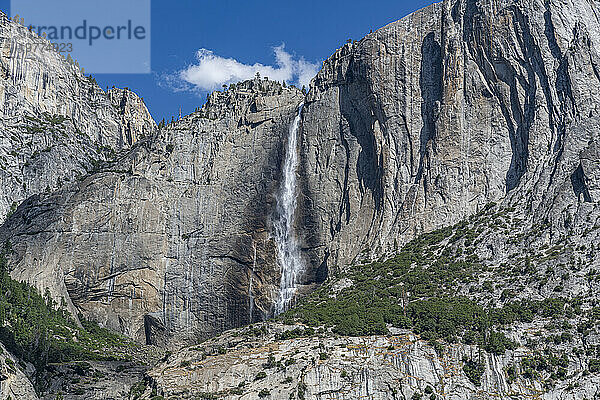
x,y
250,292
288,250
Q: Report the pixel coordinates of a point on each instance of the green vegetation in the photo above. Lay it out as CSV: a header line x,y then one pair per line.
x,y
474,370
556,366
424,289
296,333
271,363
511,373
137,390
37,330
301,390
260,375
11,211
48,123
255,331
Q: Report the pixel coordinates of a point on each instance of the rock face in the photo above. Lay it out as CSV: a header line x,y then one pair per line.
x,y
414,127
14,384
56,124
93,380
174,237
136,122
462,103
240,365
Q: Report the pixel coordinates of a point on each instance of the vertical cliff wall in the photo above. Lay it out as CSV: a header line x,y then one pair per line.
x,y
167,240
428,119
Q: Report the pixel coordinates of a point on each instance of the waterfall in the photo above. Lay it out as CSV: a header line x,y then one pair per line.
x,y
288,250
250,293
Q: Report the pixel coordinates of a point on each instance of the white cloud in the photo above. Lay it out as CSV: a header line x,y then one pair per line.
x,y
211,72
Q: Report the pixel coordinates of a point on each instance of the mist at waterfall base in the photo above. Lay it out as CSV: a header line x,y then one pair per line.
x,y
288,249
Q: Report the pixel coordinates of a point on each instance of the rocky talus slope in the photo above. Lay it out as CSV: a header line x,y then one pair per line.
x,y
240,365
56,124
444,318
14,384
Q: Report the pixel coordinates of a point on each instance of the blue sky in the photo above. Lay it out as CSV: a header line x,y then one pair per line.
x,y
247,31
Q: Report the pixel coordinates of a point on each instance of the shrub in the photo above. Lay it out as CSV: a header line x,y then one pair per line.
x,y
260,375
473,370
594,366
511,373
301,390
498,343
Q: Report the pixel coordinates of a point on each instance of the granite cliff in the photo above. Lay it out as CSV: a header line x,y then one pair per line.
x,y
167,238
427,120
57,125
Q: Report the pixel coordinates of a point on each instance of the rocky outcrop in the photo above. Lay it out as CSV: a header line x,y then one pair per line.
x,y
56,124
136,122
14,384
252,363
92,380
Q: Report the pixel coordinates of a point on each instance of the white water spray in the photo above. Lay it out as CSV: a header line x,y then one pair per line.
x,y
250,293
288,250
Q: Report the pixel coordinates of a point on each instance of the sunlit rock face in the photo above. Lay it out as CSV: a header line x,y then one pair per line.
x,y
391,367
135,121
165,241
55,123
426,120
